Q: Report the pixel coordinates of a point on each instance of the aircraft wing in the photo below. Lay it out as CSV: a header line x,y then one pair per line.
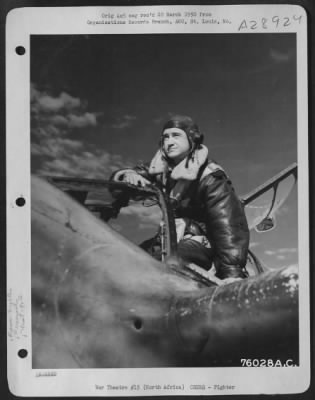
x,y
263,202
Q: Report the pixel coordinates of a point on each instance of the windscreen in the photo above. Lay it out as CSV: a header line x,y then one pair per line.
x,y
137,220
269,201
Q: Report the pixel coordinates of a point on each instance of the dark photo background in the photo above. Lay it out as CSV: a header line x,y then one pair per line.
x,y
98,103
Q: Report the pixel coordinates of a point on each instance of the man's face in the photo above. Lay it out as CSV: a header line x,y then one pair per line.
x,y
175,144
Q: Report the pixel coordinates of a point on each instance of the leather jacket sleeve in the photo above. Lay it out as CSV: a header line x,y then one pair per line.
x,y
226,225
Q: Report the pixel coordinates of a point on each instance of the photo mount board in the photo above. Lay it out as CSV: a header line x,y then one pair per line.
x,y
25,23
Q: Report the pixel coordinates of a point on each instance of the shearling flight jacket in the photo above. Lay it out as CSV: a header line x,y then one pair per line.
x,y
201,191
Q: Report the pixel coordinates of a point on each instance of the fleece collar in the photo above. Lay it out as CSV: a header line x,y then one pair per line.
x,y
160,166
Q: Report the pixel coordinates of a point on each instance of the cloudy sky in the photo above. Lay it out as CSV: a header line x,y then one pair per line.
x,y
98,103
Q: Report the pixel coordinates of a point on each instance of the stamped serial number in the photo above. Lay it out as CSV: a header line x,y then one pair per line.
x,y
262,362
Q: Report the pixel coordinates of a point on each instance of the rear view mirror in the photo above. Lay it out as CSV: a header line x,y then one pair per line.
x,y
266,225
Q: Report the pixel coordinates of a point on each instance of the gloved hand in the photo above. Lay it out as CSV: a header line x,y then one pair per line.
x,y
135,179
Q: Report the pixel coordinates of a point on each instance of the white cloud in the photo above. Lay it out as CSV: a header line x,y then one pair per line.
x,y
55,147
42,101
280,57
125,121
281,253
149,217
59,120
82,121
287,250
66,157
58,114
54,119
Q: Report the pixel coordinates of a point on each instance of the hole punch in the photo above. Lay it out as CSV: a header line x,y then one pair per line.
x,y
20,201
22,353
20,50
138,324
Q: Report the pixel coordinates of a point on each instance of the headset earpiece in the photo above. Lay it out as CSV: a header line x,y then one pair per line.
x,y
196,136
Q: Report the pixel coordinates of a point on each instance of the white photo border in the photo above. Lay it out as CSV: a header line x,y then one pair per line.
x,y
23,22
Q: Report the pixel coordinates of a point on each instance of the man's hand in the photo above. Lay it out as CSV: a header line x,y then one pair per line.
x,y
135,179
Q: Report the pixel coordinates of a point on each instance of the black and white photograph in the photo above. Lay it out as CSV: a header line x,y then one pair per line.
x,y
166,200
